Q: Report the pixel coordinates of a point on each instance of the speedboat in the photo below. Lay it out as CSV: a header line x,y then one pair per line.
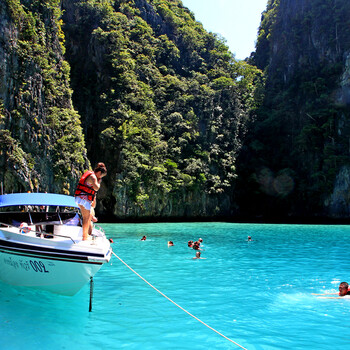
x,y
41,243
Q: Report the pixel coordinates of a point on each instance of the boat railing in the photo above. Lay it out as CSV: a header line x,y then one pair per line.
x,y
99,228
40,233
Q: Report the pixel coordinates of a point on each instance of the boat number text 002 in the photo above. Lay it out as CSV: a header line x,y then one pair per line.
x,y
38,266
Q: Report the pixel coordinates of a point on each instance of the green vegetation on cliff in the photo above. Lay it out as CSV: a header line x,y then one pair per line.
x,y
163,103
42,145
184,129
300,140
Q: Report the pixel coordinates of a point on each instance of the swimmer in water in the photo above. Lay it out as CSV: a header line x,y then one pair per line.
x,y
198,256
343,291
196,246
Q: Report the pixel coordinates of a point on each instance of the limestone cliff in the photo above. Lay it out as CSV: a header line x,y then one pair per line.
x,y
169,110
42,145
163,103
303,126
158,99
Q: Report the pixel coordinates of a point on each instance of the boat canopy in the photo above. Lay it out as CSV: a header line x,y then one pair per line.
x,y
45,199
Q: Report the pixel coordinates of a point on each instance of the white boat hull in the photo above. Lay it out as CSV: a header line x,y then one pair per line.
x,y
56,276
62,265
41,243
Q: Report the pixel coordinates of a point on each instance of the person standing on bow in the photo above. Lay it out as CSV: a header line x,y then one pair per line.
x,y
85,196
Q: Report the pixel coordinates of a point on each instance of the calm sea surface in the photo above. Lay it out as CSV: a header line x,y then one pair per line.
x,y
257,293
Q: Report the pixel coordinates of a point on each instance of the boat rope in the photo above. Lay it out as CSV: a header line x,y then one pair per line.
x,y
157,290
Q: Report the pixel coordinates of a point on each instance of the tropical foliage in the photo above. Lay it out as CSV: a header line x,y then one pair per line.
x,y
302,128
42,145
184,128
162,100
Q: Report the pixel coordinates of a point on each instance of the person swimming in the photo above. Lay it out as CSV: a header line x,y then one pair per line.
x,y
198,256
196,246
343,291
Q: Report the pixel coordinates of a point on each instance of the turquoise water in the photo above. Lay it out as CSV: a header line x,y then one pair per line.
x,y
256,293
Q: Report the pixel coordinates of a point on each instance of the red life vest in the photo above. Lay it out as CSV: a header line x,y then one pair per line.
x,y
84,189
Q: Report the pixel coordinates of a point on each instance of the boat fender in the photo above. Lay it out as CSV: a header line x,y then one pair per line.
x,y
23,228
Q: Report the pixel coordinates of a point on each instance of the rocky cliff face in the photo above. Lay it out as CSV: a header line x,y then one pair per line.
x,y
162,102
167,108
303,126
338,203
160,105
343,95
42,145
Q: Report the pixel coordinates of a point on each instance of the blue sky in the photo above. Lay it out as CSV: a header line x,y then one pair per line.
x,y
235,20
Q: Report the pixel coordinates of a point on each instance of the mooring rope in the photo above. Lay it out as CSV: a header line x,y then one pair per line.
x,y
196,318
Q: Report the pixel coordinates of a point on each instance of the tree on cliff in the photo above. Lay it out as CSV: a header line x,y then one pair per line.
x,y
300,139
162,101
42,145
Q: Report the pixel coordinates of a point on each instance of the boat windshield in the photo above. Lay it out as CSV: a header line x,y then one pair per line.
x,y
34,218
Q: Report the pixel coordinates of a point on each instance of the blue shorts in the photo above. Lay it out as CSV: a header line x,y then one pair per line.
x,y
83,202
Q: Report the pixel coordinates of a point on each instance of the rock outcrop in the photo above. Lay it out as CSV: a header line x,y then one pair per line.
x,y
42,145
